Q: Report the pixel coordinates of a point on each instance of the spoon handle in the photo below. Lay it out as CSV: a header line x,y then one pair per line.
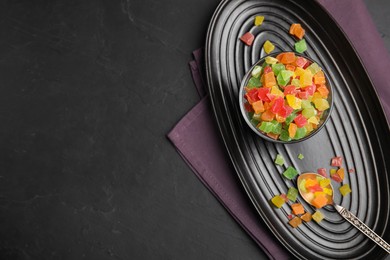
x,y
351,218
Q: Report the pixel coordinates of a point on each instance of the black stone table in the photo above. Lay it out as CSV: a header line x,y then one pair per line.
x,y
88,91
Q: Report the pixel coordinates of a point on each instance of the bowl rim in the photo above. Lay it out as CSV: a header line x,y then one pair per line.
x,y
244,113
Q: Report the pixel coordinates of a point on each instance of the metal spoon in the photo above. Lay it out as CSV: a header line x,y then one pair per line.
x,y
345,213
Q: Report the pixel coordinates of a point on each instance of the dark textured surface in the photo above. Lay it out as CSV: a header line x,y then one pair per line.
x,y
89,90
357,122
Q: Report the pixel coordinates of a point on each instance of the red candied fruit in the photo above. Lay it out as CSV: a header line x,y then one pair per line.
x,y
247,38
337,161
300,120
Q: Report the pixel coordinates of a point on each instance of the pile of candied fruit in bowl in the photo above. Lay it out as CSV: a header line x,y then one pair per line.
x,y
286,97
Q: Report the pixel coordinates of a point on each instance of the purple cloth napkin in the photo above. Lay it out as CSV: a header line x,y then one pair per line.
x,y
198,140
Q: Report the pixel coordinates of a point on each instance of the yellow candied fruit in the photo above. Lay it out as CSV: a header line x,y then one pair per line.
x,y
316,96
345,189
321,104
268,47
328,191
317,216
313,120
306,79
309,127
324,182
294,102
299,71
259,20
278,201
271,60
276,91
319,193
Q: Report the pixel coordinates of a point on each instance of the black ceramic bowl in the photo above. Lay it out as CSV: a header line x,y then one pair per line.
x,y
254,124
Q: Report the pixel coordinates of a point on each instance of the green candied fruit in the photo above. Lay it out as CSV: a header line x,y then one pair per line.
x,y
305,103
254,121
301,132
300,156
300,46
266,127
296,83
290,118
286,74
279,160
314,68
254,82
292,194
284,136
281,80
277,127
276,68
290,173
256,71
302,185
308,112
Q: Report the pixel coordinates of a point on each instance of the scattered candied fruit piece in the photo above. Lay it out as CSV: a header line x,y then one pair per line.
x,y
284,196
295,222
345,189
318,216
278,201
279,160
300,46
290,173
297,209
336,161
259,20
268,47
292,194
297,30
247,38
337,175
306,217
300,156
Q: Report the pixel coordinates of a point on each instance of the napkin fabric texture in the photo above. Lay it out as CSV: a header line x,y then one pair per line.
x,y
198,140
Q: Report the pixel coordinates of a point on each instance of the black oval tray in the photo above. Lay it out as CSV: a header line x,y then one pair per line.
x,y
357,130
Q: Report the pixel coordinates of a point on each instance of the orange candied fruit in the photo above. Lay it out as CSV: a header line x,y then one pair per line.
x,y
297,30
269,79
295,222
297,209
319,78
287,58
306,217
319,201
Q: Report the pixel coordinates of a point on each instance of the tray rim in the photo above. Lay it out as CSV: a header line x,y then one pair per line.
x,y
213,21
